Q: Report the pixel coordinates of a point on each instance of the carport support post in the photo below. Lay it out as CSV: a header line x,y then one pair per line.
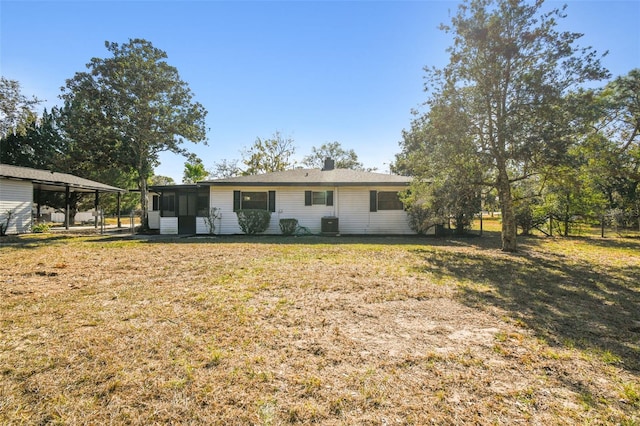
x,y
118,209
96,203
66,209
38,196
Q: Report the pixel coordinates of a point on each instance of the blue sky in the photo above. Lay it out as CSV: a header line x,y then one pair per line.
x,y
316,71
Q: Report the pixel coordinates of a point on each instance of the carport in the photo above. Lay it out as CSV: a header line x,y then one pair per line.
x,y
15,197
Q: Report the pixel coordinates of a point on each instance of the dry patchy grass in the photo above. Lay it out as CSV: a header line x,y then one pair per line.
x,y
271,331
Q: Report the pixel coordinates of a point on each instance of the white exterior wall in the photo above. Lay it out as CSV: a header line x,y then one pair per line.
x,y
168,226
154,219
17,196
202,227
355,217
222,199
350,206
289,205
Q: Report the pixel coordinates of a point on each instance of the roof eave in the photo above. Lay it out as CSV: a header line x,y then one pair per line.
x,y
401,184
87,188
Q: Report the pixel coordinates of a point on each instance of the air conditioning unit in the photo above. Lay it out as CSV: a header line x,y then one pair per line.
x,y
329,225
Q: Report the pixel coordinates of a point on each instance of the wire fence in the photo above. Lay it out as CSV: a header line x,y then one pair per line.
x,y
613,224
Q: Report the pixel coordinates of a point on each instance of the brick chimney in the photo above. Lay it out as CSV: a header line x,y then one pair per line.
x,y
329,164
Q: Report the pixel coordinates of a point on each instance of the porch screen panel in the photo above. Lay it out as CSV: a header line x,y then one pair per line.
x,y
203,202
192,203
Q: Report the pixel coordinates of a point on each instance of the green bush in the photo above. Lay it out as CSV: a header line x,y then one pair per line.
x,y
288,226
253,221
421,219
40,228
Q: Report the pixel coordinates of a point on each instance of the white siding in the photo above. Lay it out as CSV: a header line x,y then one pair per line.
x,y
354,210
168,225
202,227
355,217
222,198
350,206
16,196
291,206
154,219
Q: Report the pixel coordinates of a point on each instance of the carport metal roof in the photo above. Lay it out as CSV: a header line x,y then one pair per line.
x,y
53,181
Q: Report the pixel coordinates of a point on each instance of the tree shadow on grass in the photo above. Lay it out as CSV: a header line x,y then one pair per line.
x,y
567,302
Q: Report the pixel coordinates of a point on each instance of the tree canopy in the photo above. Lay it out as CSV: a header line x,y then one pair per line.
x,y
16,110
161,180
128,108
225,169
620,116
269,155
507,81
343,158
194,170
39,145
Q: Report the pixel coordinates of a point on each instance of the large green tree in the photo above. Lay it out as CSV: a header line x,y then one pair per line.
x,y
612,145
619,120
269,155
343,158
225,169
128,108
512,68
39,144
438,152
16,109
160,180
194,170
43,145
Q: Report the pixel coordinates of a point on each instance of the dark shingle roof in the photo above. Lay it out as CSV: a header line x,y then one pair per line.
x,y
54,181
314,177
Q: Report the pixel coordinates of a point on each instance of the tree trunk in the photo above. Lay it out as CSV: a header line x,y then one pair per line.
x,y
509,230
566,218
144,219
460,225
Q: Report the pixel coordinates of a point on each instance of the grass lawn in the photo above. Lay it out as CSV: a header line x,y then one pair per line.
x,y
336,331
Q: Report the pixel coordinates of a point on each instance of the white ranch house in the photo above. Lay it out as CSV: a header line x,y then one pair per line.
x,y
330,201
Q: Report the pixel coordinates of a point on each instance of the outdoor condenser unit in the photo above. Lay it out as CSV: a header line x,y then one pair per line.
x,y
329,225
